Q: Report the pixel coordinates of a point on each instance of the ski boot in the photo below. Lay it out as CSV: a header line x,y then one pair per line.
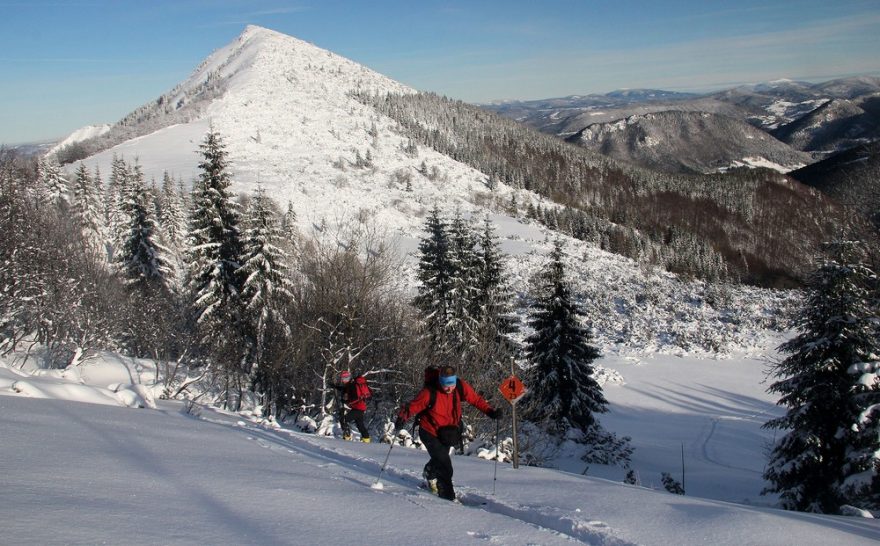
x,y
430,481
366,440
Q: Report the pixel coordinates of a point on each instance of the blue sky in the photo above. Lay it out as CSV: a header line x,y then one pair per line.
x,y
65,64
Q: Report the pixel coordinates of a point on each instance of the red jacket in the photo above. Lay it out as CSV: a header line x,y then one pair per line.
x,y
446,410
350,394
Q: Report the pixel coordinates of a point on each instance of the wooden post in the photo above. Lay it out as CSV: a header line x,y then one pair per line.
x,y
515,443
682,467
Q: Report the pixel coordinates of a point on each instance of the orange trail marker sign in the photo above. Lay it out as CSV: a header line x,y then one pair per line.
x,y
512,389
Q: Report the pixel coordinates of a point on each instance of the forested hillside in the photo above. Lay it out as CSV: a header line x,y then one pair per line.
x,y
755,225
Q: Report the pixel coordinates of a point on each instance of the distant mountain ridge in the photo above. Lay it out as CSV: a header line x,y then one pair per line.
x,y
782,108
688,142
834,126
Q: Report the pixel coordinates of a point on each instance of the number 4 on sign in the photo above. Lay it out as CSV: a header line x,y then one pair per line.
x,y
512,389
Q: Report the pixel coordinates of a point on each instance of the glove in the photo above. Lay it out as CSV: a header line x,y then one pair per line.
x,y
494,413
399,423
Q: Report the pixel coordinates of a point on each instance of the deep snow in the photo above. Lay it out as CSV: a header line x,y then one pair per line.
x,y
79,467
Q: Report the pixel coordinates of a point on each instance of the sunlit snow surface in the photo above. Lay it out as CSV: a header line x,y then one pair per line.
x,y
98,472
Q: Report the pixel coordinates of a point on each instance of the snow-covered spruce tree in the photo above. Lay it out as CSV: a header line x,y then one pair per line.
x,y
146,268
171,216
435,288
54,184
290,234
214,255
828,456
114,202
266,292
143,261
563,394
288,222
861,472
462,324
215,240
494,299
86,206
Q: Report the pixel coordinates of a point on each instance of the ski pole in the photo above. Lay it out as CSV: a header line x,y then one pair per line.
x,y
381,470
495,477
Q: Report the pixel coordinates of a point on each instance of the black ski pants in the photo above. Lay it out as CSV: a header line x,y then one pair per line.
x,y
440,464
357,416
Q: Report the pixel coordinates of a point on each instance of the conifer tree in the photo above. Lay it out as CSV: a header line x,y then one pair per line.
x,y
172,216
493,295
86,206
289,231
828,456
266,290
434,290
564,394
115,200
462,322
288,222
54,184
266,284
494,299
142,258
215,241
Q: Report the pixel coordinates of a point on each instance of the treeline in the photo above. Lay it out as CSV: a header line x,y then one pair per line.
x,y
753,225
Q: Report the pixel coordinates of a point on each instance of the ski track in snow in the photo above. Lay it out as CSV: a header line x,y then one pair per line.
x,y
706,439
365,471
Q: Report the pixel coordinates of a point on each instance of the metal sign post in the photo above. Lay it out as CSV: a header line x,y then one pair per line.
x,y
512,389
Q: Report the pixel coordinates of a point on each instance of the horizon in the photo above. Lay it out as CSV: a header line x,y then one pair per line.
x,y
92,62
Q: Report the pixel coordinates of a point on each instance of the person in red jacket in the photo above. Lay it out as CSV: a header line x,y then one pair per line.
x,y
440,424
354,394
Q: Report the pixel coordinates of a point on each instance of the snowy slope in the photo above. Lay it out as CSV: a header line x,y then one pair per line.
x,y
77,473
79,135
286,116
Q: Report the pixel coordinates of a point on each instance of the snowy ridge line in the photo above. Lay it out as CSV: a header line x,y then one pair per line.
x,y
588,531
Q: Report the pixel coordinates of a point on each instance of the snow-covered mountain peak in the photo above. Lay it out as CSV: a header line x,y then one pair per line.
x,y
265,55
286,111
